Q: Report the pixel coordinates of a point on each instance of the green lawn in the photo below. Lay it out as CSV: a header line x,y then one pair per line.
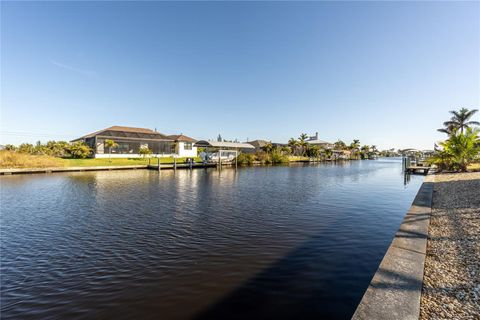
x,y
297,158
118,161
474,167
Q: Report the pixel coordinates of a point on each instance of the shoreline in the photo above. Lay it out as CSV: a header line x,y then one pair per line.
x,y
431,270
167,166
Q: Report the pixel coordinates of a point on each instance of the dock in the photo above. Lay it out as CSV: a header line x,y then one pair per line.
x,y
417,169
168,166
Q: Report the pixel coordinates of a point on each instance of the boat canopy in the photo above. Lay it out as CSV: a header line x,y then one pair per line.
x,y
223,144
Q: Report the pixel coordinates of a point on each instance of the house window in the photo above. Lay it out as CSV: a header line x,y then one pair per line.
x,y
187,146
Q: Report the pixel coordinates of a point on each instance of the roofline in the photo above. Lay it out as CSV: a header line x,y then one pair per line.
x,y
126,138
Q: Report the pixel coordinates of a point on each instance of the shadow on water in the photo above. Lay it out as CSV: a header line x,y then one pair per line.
x,y
307,283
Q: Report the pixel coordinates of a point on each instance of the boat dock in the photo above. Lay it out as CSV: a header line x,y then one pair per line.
x,y
417,169
168,166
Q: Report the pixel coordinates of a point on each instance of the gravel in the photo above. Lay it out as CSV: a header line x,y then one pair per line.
x,y
451,283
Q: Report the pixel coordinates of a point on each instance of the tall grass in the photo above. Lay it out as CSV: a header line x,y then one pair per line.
x,y
10,160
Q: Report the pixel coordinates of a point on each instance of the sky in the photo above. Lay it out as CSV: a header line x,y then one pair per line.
x,y
386,73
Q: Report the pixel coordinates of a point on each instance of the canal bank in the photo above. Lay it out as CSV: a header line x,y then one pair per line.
x,y
431,269
151,166
105,168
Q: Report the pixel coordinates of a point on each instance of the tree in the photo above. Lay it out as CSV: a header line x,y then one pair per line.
x,y
460,121
313,152
268,147
459,150
328,153
365,151
302,141
354,147
10,147
79,150
144,150
26,148
57,148
110,144
293,144
340,145
286,150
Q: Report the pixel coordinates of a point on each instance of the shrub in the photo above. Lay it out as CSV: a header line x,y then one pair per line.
x,y
246,159
79,150
26,148
277,158
145,151
459,150
10,147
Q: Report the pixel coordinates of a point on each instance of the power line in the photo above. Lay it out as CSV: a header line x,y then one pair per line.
x,y
36,134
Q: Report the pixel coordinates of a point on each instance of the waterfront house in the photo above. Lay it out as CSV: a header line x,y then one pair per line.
x,y
257,144
260,144
129,140
314,140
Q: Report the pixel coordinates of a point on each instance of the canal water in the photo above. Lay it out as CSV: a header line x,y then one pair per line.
x,y
259,243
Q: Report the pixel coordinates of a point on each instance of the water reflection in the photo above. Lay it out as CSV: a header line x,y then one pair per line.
x,y
275,242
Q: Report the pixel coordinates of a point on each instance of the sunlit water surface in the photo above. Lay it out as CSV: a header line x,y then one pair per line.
x,y
264,242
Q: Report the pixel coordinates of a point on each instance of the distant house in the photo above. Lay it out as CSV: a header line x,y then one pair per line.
x,y
313,140
257,144
129,140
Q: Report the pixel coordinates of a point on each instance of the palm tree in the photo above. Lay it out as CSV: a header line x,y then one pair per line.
x,y
365,150
460,120
340,145
286,150
268,147
302,141
110,144
459,150
354,147
293,143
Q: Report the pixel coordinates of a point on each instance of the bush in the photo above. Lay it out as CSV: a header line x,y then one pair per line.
x,y
26,148
458,152
145,151
278,158
246,159
79,150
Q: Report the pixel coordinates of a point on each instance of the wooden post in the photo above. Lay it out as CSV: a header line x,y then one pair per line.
x,y
220,159
174,163
158,164
191,164
236,162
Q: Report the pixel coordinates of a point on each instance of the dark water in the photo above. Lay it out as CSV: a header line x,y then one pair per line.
x,y
266,242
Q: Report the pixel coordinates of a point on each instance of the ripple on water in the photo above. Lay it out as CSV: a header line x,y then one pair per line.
x,y
268,241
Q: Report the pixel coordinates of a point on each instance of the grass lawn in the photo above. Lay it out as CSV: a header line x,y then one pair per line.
x,y
11,160
474,167
298,158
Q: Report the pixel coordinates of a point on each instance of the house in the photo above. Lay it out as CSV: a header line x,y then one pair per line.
x,y
257,144
184,145
313,140
129,140
260,144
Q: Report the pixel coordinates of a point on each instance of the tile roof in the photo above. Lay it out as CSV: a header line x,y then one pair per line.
x,y
124,129
181,137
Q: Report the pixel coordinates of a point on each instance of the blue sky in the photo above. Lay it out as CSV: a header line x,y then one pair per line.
x,y
383,72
